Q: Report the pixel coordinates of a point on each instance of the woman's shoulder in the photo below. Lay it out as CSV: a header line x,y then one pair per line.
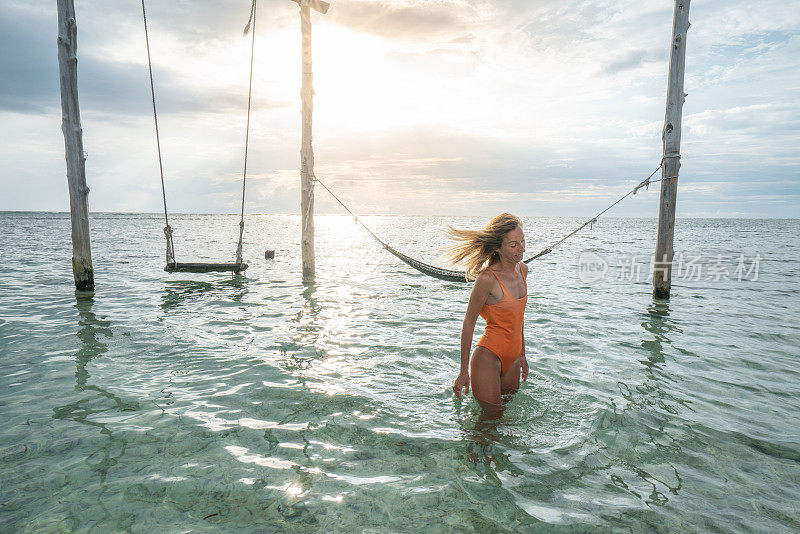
x,y
484,277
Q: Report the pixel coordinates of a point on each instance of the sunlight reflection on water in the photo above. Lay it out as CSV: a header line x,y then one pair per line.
x,y
260,402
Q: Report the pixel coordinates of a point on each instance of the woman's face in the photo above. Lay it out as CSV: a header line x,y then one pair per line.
x,y
513,247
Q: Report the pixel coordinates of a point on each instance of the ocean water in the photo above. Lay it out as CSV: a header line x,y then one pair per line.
x,y
258,403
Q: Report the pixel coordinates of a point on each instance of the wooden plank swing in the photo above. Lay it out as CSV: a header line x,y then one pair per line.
x,y
176,267
173,266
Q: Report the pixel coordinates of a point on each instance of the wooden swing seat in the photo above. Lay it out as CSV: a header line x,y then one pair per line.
x,y
205,267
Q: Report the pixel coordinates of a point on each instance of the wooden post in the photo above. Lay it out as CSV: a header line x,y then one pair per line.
x,y
671,135
82,269
306,151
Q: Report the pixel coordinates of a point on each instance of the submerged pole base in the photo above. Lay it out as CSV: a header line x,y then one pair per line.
x,y
83,275
269,254
661,293
662,278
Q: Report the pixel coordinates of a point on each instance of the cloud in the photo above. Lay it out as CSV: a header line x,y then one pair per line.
x,y
632,59
424,171
413,20
721,23
757,118
29,63
427,107
105,83
743,137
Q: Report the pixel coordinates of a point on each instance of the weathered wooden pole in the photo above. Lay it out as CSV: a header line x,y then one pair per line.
x,y
671,135
82,269
306,150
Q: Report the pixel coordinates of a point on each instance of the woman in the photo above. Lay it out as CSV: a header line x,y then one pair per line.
x,y
499,296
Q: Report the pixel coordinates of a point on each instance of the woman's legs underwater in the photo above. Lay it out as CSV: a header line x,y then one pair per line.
x,y
487,383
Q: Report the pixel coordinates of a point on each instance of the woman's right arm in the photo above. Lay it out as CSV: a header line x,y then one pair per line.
x,y
477,299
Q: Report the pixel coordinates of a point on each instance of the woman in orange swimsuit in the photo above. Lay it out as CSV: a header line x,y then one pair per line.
x,y
493,257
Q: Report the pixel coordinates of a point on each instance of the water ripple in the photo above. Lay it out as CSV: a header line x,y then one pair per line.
x,y
261,402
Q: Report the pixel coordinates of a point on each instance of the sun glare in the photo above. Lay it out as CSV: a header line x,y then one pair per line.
x,y
365,83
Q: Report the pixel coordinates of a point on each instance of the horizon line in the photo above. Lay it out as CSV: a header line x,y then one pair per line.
x,y
159,214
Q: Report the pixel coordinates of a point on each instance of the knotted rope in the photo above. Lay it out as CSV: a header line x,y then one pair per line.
x,y
247,28
167,228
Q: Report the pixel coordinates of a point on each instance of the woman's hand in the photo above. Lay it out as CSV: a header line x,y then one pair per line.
x,y
462,381
524,367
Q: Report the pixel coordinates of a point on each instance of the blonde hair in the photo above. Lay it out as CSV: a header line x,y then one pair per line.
x,y
477,249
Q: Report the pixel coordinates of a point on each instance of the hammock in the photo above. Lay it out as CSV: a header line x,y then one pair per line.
x,y
451,275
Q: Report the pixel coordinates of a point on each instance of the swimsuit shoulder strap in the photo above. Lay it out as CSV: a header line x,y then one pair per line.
x,y
503,287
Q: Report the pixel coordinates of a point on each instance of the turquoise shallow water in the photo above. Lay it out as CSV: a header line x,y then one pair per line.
x,y
202,403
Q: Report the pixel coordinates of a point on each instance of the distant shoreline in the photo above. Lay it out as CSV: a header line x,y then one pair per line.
x,y
158,214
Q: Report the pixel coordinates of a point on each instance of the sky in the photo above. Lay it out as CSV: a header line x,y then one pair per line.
x,y
422,107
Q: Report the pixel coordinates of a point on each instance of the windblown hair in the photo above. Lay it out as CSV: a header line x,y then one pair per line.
x,y
477,249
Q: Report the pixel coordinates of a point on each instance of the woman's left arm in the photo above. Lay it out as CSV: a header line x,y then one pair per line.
x,y
523,360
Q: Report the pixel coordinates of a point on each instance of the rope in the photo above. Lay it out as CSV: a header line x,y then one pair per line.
x,y
247,132
460,276
426,268
643,183
167,228
378,239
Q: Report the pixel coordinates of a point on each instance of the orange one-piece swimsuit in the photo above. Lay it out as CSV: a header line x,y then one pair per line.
x,y
503,334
